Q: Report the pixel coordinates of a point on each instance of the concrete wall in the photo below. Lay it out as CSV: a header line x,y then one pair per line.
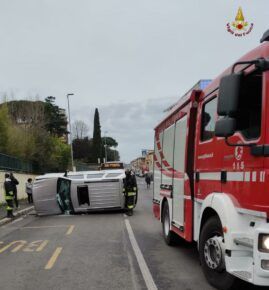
x,y
22,178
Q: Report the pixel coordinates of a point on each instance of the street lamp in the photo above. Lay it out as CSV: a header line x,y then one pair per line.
x,y
71,142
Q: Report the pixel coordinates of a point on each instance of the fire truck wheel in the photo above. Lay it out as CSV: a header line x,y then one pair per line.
x,y
169,236
212,257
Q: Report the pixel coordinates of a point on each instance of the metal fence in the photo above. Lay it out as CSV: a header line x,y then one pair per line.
x,y
80,166
14,164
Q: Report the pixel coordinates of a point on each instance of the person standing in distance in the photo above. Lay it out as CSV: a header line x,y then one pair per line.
x,y
29,190
14,182
148,180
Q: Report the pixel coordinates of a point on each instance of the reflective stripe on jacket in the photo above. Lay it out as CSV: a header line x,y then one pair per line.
x,y
9,208
9,196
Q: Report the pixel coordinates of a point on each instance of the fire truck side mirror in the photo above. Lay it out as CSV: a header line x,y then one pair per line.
x,y
225,127
229,92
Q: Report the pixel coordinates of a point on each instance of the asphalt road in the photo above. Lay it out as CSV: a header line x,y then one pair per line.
x,y
96,251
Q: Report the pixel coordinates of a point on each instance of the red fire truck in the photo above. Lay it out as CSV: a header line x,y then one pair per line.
x,y
211,172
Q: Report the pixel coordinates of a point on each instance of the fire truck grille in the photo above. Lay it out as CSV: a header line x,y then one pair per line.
x,y
105,194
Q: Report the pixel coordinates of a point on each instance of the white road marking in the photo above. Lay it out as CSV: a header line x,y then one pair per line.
x,y
140,259
132,270
17,220
22,211
41,227
70,230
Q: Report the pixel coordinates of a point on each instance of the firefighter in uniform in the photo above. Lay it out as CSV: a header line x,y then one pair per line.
x,y
9,195
130,191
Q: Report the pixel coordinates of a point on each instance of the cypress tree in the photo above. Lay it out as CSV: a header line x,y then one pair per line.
x,y
97,141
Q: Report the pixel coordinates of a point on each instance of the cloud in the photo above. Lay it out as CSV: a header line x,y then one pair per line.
x,y
111,50
130,123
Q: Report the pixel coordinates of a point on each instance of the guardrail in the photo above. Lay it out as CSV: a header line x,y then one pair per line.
x,y
11,163
80,166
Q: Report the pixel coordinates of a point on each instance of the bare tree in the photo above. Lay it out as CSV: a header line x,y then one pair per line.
x,y
80,129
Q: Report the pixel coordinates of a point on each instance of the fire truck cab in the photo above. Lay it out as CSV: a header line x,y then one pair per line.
x,y
211,172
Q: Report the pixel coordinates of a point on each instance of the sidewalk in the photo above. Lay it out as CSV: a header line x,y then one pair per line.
x,y
23,203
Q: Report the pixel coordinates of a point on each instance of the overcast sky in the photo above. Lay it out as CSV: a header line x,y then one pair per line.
x,y
129,58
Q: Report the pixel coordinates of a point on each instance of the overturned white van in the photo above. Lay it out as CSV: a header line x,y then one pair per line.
x,y
82,191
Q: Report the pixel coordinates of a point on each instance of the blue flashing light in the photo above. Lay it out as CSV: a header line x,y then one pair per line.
x,y
204,83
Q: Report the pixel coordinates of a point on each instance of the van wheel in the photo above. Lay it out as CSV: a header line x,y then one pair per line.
x,y
169,236
212,255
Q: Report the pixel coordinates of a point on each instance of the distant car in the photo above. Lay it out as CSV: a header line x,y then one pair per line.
x,y
112,165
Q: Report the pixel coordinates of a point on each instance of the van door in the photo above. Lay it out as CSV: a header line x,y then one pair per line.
x,y
179,171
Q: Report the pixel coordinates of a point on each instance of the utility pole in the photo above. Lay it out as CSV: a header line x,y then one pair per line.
x,y
70,128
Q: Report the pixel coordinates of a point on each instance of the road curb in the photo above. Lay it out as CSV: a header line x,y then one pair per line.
x,y
16,214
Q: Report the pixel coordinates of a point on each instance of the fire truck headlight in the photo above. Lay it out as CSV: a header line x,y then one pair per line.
x,y
264,243
265,264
